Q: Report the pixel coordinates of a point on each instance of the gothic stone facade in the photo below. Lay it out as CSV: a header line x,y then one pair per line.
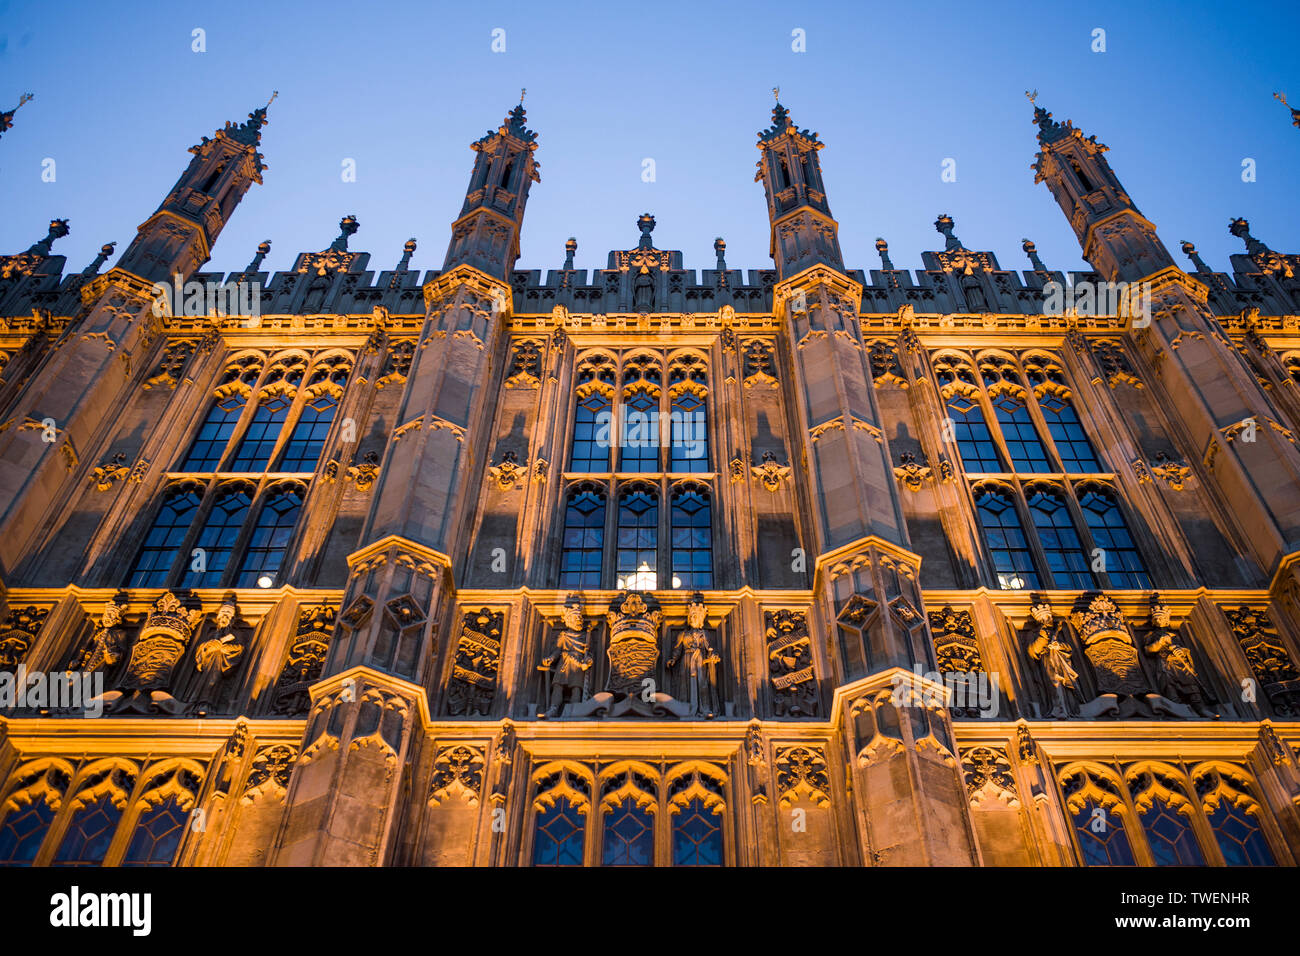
x,y
384,570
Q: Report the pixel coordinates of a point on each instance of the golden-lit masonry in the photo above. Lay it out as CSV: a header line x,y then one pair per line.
x,y
643,565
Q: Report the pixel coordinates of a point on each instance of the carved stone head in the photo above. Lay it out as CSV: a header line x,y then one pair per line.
x,y
112,615
225,614
1041,611
1160,613
696,612
571,613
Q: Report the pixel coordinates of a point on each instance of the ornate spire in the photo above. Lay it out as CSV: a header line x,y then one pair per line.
x,y
7,117
1280,97
249,132
781,123
58,229
646,223
1050,131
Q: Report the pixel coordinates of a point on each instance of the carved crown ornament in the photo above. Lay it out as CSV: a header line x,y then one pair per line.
x,y
770,472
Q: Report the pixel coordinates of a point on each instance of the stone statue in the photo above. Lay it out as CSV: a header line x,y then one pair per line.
x,y
569,661
697,684
108,641
215,658
154,655
1054,654
1177,668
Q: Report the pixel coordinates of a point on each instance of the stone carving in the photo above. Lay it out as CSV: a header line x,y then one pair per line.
x,y
956,649
802,776
566,668
174,358
502,762
107,473
525,364
1177,678
988,777
1047,647
304,660
756,758
108,641
1113,363
633,641
697,682
509,473
1175,473
216,657
458,775
473,684
269,775
770,472
1268,658
397,366
911,472
790,666
1110,649
166,634
885,369
759,364
365,474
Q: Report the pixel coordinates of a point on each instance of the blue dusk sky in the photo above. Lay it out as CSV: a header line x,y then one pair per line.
x,y
1182,94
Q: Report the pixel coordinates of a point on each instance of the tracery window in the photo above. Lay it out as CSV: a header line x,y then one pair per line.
x,y
1047,509
29,809
265,424
634,798
634,441
1160,815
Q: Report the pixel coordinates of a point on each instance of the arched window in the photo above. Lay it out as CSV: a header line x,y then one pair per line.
x,y
23,832
308,438
1239,837
639,444
216,541
1124,564
584,540
165,538
697,836
263,432
89,834
591,434
1101,837
1005,539
1084,182
974,440
692,534
209,445
157,834
559,834
689,445
628,838
637,559
1170,836
1066,558
1067,432
270,539
1027,452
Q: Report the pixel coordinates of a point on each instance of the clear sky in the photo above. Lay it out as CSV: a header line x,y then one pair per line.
x,y
1182,94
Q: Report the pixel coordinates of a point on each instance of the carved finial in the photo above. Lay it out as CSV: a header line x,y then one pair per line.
x,y
570,247
1032,252
882,247
1295,113
1031,95
522,93
105,251
7,116
1190,252
408,250
58,229
347,226
776,93
274,94
944,224
646,223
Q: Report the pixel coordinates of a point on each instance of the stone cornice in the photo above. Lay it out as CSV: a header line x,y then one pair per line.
x,y
463,274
